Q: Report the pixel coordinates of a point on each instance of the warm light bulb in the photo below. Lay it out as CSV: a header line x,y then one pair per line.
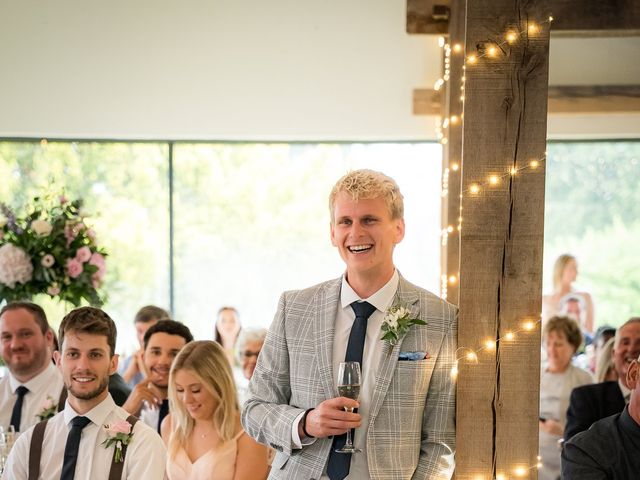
x,y
493,180
462,98
520,471
500,477
474,188
454,371
450,228
472,357
455,167
441,42
513,170
534,164
550,18
529,326
459,227
454,119
490,344
532,28
464,79
511,37
472,59
444,141
509,336
492,51
453,279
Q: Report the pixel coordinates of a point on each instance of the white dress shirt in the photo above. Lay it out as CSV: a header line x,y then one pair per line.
x,y
145,458
47,383
345,317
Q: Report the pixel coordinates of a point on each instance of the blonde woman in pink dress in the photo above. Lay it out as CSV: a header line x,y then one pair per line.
x,y
203,435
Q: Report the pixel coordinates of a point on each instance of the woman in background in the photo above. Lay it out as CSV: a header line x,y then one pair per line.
x,y
562,338
564,296
204,438
227,330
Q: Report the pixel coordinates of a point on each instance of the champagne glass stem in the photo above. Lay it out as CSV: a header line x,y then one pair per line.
x,y
348,443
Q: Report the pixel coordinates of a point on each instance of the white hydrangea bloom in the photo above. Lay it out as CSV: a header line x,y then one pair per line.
x,y
15,265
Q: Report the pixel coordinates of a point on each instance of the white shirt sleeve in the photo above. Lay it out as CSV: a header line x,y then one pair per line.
x,y
295,438
16,466
146,455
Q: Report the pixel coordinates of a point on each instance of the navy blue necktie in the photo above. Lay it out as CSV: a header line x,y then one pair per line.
x,y
164,409
72,446
16,413
339,463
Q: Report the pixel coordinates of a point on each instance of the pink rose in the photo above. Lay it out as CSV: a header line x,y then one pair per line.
x,y
70,233
74,267
99,261
47,261
91,234
53,290
96,280
121,426
62,199
47,404
83,254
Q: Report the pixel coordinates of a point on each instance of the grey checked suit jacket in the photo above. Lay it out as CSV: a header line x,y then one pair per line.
x,y
412,419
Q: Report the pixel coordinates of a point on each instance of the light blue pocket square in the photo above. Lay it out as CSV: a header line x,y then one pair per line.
x,y
412,356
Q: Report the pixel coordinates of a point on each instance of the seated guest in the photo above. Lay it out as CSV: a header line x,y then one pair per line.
x,y
590,403
204,438
80,442
162,342
562,338
227,330
132,369
248,346
33,381
605,368
610,449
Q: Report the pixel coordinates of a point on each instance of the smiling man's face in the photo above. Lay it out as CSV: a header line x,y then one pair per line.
x,y
626,348
162,349
365,235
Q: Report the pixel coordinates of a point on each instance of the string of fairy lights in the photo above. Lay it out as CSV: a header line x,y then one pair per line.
x,y
490,49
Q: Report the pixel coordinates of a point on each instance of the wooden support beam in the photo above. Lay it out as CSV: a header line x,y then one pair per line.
x,y
571,17
581,99
452,154
501,241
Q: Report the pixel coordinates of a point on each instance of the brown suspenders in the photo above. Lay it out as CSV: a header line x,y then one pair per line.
x,y
35,451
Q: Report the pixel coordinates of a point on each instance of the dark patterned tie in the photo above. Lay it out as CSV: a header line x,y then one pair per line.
x,y
72,446
164,410
16,413
339,463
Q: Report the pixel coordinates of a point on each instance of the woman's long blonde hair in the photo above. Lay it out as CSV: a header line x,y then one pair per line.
x,y
604,362
208,362
558,268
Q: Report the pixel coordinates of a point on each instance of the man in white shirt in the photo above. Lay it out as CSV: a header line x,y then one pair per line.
x,y
33,382
149,399
73,442
405,425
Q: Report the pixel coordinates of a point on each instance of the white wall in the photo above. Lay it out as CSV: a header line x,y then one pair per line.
x,y
248,70
212,69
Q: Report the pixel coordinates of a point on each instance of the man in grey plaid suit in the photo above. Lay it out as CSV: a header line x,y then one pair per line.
x,y
405,422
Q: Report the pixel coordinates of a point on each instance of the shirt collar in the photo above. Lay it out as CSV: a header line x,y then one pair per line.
x,y
37,383
626,393
97,414
381,299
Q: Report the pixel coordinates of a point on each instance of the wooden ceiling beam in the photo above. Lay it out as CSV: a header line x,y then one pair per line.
x,y
572,18
574,99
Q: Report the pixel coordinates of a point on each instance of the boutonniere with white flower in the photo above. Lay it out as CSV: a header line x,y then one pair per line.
x,y
397,322
48,408
120,433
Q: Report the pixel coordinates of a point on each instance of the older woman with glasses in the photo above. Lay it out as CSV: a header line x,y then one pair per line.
x,y
248,348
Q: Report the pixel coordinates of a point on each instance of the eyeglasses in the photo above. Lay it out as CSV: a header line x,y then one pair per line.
x,y
247,354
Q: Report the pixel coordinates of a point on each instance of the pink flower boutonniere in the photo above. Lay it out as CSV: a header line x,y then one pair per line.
x,y
120,433
47,409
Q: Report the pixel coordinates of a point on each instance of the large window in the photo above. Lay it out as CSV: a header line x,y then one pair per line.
x,y
593,212
249,220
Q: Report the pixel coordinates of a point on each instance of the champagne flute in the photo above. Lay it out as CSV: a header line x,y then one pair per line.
x,y
349,386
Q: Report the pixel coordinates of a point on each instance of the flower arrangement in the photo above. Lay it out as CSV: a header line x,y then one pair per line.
x,y
397,322
50,250
48,408
120,433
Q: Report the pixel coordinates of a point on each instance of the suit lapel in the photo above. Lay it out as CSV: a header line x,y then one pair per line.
x,y
324,317
407,297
